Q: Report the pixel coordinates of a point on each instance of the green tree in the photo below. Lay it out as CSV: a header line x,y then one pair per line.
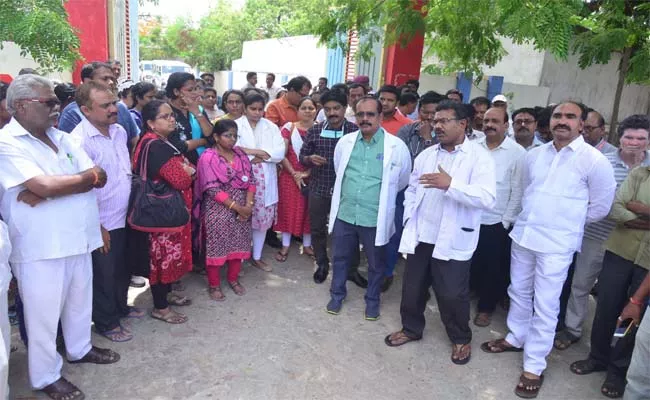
x,y
41,29
465,34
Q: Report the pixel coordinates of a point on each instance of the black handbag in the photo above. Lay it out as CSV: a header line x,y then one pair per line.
x,y
155,207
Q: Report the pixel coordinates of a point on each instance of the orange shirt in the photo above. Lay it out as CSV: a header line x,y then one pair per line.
x,y
280,112
394,123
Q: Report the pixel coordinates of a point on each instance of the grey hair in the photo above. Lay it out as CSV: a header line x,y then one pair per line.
x,y
25,87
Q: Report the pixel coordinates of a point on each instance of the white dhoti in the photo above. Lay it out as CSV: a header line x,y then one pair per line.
x,y
52,290
536,284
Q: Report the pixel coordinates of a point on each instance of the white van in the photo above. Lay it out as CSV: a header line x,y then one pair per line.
x,y
146,71
161,69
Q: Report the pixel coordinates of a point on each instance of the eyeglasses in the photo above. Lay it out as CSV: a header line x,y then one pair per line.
x,y
524,121
168,117
443,121
590,129
51,102
234,102
362,114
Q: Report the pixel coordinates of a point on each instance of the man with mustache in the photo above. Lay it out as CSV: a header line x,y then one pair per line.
x,y
53,220
579,182
371,167
525,125
103,74
491,262
594,132
481,105
391,119
104,140
317,152
451,184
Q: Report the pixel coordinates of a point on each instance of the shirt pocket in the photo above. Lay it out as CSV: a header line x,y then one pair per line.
x,y
466,230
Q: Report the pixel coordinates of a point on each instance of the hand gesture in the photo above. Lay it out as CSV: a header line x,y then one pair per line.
x,y
299,178
437,180
244,212
638,208
30,198
317,160
631,311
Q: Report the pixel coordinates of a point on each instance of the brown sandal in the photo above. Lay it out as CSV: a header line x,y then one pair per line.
x,y
499,346
171,317
237,288
261,265
483,319
461,353
63,390
97,355
282,256
180,301
528,388
399,338
216,294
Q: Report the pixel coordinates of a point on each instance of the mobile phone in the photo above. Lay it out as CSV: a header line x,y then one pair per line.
x,y
622,330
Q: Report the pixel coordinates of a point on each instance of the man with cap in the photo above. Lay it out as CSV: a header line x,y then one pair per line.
x,y
285,109
501,101
364,81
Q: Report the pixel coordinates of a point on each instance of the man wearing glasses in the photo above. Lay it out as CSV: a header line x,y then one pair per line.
x,y
371,168
594,132
525,121
53,220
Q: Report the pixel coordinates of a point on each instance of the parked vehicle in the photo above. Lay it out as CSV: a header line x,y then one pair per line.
x,y
161,69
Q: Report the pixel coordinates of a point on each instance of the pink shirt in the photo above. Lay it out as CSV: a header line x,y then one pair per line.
x,y
111,154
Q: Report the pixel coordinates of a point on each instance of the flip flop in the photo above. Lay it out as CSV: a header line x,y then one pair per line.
x,y
97,355
117,335
281,257
402,339
172,317
499,346
180,301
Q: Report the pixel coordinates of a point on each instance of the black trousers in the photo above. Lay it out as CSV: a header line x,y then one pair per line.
x,y
111,277
619,279
319,209
490,269
450,282
159,293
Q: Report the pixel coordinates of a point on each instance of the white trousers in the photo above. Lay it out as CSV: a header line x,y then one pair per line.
x,y
5,342
258,243
52,290
638,375
536,284
589,263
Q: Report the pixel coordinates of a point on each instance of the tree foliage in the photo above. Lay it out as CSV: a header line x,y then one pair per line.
x,y
41,29
216,40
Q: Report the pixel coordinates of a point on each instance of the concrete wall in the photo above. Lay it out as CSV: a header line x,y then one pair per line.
x,y
437,83
594,86
522,65
11,62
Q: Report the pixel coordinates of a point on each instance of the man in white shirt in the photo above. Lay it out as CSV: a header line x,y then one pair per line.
x,y
481,104
491,262
501,101
371,167
53,220
451,184
5,328
525,121
270,87
567,183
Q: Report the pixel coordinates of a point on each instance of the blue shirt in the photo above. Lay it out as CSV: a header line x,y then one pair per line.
x,y
71,116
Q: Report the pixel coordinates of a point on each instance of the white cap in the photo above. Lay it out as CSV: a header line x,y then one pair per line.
x,y
125,84
500,97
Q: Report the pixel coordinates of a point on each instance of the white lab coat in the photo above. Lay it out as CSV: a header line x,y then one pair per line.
x,y
396,169
266,136
472,189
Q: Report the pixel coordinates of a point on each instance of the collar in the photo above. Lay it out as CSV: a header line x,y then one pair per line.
x,y
286,103
16,129
374,138
574,145
506,144
90,130
464,147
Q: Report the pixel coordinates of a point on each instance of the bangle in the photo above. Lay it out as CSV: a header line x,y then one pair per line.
x,y
96,175
251,203
232,204
635,302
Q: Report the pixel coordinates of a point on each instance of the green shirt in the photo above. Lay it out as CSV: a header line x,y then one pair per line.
x,y
631,244
362,182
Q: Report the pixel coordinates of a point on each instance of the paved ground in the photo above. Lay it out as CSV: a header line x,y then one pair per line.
x,y
277,342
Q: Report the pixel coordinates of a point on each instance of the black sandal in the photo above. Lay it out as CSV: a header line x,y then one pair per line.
x,y
613,388
499,346
63,390
528,388
563,340
399,338
98,356
586,367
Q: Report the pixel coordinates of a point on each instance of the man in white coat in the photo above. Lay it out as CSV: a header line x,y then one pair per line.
x,y
371,168
53,220
451,184
578,181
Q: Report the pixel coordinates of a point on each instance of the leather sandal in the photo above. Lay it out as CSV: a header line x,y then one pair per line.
x,y
499,346
62,389
398,338
97,355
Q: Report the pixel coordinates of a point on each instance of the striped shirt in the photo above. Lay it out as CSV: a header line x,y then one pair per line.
x,y
111,154
600,230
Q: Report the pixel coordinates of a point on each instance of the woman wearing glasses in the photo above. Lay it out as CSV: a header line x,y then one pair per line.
x,y
233,104
223,206
170,254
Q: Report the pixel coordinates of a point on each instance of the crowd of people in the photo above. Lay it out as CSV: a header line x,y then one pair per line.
x,y
532,210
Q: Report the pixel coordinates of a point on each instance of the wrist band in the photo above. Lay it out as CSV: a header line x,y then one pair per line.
x,y
96,175
635,302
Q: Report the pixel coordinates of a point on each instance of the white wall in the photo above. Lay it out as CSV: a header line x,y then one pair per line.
x,y
11,62
522,65
436,83
594,86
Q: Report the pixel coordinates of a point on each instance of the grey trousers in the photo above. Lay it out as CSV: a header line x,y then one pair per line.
x,y
638,375
589,263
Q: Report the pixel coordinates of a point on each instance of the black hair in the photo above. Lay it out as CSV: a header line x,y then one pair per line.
x,y
250,75
140,89
389,89
210,74
88,70
251,98
543,117
161,95
480,100
341,87
176,81
25,71
431,97
227,93
408,98
124,93
271,74
63,91
373,99
461,111
305,99
601,120
582,107
637,121
336,95
297,83
322,78
413,82
357,86
525,110
210,89
454,91
223,125
150,112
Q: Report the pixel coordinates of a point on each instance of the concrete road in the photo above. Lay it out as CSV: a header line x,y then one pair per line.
x,y
277,342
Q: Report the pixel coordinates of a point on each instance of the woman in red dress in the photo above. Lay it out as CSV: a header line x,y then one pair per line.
x,y
170,254
293,217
